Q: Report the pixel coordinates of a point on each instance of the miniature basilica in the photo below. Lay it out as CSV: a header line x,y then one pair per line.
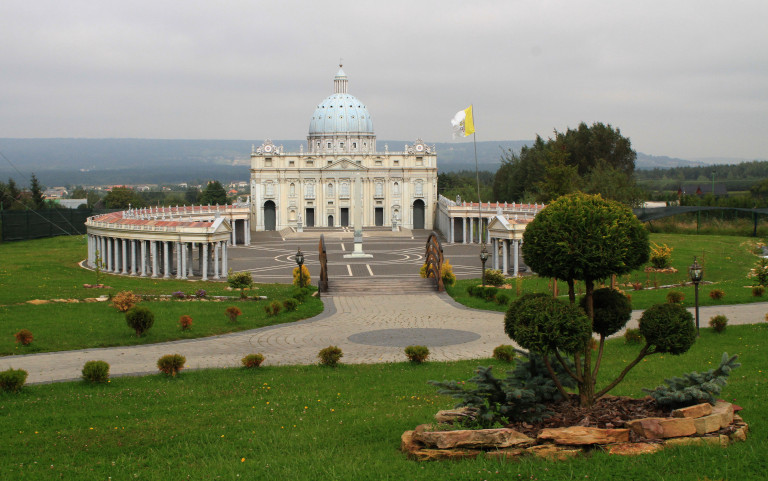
x,y
340,172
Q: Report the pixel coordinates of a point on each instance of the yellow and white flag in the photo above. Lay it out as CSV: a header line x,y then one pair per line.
x,y
463,124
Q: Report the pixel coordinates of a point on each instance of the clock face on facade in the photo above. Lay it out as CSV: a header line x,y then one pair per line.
x,y
419,147
267,148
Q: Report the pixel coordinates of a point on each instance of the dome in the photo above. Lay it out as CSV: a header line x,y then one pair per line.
x,y
340,113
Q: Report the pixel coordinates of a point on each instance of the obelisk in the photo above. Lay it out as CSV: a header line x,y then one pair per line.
x,y
358,222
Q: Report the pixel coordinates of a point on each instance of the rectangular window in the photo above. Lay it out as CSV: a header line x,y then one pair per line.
x,y
268,162
419,161
290,163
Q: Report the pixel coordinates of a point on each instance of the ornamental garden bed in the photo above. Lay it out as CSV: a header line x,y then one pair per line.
x,y
617,425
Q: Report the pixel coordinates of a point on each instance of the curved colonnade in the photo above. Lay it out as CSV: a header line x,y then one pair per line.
x,y
181,242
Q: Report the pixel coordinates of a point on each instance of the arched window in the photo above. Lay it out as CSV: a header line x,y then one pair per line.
x,y
396,189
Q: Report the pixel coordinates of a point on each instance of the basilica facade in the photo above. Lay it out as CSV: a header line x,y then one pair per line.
x,y
340,172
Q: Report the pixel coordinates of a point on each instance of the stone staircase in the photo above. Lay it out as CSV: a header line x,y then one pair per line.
x,y
373,286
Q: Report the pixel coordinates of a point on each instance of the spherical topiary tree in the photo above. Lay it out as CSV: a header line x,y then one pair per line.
x,y
541,323
140,319
586,238
612,311
668,328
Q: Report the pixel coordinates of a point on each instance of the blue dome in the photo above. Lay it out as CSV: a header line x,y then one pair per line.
x,y
341,113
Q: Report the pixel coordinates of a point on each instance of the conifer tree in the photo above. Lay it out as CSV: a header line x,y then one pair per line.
x,y
695,387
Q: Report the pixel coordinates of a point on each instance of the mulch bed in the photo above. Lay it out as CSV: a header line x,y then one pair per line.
x,y
609,412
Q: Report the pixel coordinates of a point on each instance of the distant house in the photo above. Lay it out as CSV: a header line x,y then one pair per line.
x,y
71,203
55,193
703,188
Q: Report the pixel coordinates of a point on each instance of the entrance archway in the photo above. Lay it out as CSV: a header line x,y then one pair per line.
x,y
270,219
330,221
418,214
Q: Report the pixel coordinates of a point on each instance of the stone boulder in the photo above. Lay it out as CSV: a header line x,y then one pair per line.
x,y
472,439
579,435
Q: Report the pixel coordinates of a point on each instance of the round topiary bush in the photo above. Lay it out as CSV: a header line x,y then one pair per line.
x,y
494,277
675,297
96,371
330,356
540,323
290,304
24,337
718,323
504,353
668,327
252,360
273,308
232,313
140,319
185,322
171,364
12,380
612,310
417,354
716,294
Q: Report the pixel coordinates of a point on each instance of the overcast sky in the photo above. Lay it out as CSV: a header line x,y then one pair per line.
x,y
684,78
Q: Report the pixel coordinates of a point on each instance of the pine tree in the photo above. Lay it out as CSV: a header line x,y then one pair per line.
x,y
695,387
38,198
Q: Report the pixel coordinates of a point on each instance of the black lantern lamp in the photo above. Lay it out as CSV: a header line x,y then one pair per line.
x,y
300,262
696,273
483,259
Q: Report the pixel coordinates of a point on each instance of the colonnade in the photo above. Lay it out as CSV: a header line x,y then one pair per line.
x,y
510,250
159,258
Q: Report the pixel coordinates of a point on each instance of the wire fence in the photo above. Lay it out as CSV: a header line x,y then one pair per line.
x,y
35,224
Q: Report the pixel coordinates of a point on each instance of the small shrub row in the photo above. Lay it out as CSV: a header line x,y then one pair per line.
x,y
718,323
12,380
171,364
273,308
417,354
125,300
96,371
252,360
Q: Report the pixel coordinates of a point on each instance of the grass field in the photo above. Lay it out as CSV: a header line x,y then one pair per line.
x,y
311,423
47,269
726,261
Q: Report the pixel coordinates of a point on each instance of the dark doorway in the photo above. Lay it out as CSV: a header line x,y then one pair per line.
x,y
310,217
345,216
330,221
418,214
458,232
379,216
270,220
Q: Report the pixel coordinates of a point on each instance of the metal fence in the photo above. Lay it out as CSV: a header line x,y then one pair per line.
x,y
36,224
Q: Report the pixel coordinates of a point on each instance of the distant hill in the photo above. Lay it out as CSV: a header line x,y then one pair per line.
x,y
130,161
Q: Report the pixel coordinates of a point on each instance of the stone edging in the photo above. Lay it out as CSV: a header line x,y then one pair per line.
x,y
693,425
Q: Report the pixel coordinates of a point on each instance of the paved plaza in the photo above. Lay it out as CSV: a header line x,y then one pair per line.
x,y
368,329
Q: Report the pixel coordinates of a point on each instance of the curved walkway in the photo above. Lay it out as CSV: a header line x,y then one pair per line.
x,y
368,329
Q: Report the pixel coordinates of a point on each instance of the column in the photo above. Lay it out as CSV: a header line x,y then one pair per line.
x,y
495,249
204,260
450,230
143,258
133,257
234,232
166,270
471,230
224,270
515,252
216,260
124,249
153,251
109,254
179,268
183,263
191,254
463,230
247,228
505,256
91,251
200,257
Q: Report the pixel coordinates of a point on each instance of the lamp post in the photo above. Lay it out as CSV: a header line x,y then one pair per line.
x,y
697,273
483,259
300,262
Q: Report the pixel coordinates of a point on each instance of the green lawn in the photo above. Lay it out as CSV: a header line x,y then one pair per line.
x,y
311,423
47,269
726,261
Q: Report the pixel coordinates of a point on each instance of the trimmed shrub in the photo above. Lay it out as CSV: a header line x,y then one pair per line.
x,y
489,292
675,297
301,294
633,336
12,380
232,312
417,354
716,294
124,300
330,356
252,360
758,291
540,323
290,304
273,308
305,279
612,310
140,319
185,322
502,298
24,337
494,277
668,327
660,255
449,278
718,323
96,371
504,353
239,280
171,364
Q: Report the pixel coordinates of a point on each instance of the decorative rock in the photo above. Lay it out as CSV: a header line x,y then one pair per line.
x,y
740,434
726,412
708,424
466,438
438,454
703,441
452,415
579,435
506,454
634,449
553,452
659,428
37,302
697,411
407,444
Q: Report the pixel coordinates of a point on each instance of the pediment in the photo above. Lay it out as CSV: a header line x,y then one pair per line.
x,y
344,164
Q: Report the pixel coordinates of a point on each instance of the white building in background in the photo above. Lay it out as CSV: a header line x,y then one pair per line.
x,y
319,187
